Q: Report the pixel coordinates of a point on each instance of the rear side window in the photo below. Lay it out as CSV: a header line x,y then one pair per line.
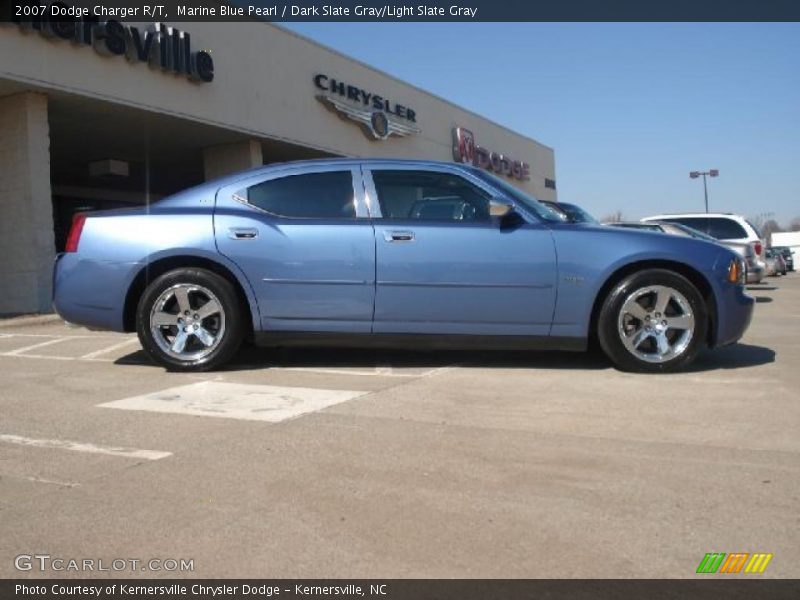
x,y
725,229
326,195
429,196
756,229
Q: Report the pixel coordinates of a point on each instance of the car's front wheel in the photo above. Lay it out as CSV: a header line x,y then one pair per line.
x,y
653,321
190,320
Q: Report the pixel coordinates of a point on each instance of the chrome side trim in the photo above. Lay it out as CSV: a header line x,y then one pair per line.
x,y
457,284
317,281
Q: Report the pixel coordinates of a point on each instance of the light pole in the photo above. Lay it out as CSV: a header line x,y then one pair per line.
x,y
709,173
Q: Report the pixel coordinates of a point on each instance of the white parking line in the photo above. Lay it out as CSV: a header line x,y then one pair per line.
x,y
97,356
51,335
111,348
48,357
378,372
19,351
439,370
84,447
69,484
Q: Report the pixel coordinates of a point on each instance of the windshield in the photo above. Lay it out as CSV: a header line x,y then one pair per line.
x,y
529,202
576,213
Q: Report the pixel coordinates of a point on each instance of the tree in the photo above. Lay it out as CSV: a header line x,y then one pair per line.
x,y
615,217
795,224
769,227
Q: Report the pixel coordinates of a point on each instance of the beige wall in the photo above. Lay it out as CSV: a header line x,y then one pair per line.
x,y
263,86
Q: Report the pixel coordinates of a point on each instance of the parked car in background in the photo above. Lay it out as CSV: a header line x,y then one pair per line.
x,y
345,251
725,227
755,270
775,262
788,257
788,239
572,212
771,266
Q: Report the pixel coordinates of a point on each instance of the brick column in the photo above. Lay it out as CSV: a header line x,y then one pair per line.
x,y
27,246
225,159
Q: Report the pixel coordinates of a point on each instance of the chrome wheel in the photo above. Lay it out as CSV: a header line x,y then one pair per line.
x,y
187,322
656,323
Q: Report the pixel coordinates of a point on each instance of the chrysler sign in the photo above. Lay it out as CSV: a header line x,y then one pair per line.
x,y
378,116
466,150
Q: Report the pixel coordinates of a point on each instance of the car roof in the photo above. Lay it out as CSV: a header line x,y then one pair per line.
x,y
636,223
692,214
337,161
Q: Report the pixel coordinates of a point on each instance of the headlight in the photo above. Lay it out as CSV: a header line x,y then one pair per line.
x,y
736,271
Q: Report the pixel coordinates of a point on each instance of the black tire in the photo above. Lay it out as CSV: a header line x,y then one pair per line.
x,y
614,323
226,326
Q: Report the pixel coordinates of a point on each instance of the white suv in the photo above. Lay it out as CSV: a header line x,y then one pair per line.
x,y
725,227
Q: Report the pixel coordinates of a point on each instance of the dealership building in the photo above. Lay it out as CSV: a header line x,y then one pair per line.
x,y
97,115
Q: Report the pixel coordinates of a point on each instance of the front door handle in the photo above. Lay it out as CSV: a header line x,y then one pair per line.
x,y
242,233
398,236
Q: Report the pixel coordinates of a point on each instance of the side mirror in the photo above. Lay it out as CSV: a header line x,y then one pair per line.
x,y
500,208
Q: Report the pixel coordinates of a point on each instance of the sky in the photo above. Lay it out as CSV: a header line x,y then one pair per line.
x,y
630,109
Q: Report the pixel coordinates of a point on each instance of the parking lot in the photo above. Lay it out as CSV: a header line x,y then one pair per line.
x,y
329,463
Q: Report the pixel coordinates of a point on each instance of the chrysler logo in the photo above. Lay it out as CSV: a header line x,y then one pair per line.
x,y
378,117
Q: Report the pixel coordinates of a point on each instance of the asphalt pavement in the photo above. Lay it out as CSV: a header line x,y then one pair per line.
x,y
344,463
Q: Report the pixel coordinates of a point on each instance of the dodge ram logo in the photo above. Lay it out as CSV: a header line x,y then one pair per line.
x,y
466,150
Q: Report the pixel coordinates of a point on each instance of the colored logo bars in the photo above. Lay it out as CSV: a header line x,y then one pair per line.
x,y
736,562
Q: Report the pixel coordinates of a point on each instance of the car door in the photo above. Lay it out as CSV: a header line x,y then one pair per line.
x,y
304,240
445,266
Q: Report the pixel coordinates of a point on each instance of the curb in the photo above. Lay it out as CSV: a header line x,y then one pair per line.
x,y
29,320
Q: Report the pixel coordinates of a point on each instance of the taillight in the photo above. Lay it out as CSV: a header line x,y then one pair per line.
x,y
74,237
758,248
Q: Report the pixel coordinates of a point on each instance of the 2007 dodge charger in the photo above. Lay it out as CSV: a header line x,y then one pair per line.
x,y
390,252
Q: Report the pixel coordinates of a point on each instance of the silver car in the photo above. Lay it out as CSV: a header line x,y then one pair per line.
x,y
756,270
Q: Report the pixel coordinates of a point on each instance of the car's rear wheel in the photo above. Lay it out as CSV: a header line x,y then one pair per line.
x,y
653,321
190,320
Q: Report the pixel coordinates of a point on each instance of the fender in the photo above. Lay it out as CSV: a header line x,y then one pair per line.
x,y
202,254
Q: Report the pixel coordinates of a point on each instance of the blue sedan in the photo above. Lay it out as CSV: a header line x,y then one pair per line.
x,y
388,253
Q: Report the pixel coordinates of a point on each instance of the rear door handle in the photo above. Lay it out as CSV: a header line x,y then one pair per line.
x,y
242,233
398,236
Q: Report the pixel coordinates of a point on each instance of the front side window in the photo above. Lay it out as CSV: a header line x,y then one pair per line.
x,y
429,196
327,195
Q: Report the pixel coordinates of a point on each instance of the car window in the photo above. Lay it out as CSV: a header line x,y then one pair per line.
x,y
327,195
693,232
429,195
756,229
576,214
725,229
532,204
698,223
